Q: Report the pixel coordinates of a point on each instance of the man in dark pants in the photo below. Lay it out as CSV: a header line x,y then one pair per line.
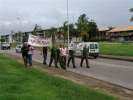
x,y
24,51
71,57
53,57
85,57
45,51
58,55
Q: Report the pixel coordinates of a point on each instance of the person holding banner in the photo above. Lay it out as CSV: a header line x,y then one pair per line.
x,y
30,53
24,51
53,57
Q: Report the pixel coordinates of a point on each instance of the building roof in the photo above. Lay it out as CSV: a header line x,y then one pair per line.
x,y
103,29
121,29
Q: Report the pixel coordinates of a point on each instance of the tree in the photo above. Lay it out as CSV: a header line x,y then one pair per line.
x,y
87,28
65,30
36,28
53,32
2,40
82,24
92,30
72,30
131,10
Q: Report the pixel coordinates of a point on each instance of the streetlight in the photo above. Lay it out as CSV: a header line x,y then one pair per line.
x,y
21,35
67,29
68,20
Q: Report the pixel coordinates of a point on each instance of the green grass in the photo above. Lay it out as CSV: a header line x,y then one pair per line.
x,y
118,49
19,83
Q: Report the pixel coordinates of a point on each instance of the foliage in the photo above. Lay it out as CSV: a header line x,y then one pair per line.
x,y
131,10
82,24
87,28
2,40
117,49
36,29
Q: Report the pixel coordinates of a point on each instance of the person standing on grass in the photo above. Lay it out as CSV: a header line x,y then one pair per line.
x,y
30,53
85,57
24,51
45,52
53,56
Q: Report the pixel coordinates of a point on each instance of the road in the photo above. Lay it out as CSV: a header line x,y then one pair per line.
x,y
113,71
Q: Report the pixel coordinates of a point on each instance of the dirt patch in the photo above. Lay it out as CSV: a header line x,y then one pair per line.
x,y
106,87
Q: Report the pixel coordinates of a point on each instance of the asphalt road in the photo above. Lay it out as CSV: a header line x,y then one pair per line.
x,y
113,71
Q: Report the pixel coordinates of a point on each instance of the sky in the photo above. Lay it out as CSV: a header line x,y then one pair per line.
x,y
22,15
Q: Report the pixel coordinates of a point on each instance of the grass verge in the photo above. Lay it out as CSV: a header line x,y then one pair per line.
x,y
117,49
19,83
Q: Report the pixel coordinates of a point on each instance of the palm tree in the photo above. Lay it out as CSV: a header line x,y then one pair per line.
x,y
64,30
87,28
131,10
52,33
36,29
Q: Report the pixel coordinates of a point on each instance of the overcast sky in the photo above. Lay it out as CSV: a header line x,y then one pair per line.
x,y
22,15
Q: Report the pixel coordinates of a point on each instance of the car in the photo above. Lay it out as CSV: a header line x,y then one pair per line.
x,y
18,48
93,48
5,46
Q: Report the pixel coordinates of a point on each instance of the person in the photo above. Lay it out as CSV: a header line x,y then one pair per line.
x,y
45,51
24,51
85,57
58,54
71,57
30,53
63,54
53,57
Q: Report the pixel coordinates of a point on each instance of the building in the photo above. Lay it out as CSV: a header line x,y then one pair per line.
x,y
121,34
5,38
102,33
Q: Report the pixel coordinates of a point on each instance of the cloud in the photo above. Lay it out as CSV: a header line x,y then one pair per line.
x,y
49,13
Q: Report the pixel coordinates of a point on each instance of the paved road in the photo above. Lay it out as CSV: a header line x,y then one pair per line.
x,y
114,71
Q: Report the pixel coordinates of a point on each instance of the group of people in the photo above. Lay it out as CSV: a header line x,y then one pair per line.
x,y
59,55
27,52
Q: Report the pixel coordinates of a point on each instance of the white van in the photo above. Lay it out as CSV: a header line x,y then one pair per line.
x,y
5,46
93,48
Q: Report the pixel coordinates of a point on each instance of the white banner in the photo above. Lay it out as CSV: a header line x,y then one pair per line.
x,y
39,41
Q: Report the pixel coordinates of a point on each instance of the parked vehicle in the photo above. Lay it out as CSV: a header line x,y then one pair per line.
x,y
5,46
18,48
93,48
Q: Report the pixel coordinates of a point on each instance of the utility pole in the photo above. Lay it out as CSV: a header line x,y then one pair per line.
x,y
21,35
68,32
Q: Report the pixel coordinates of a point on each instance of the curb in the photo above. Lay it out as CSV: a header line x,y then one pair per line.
x,y
123,58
